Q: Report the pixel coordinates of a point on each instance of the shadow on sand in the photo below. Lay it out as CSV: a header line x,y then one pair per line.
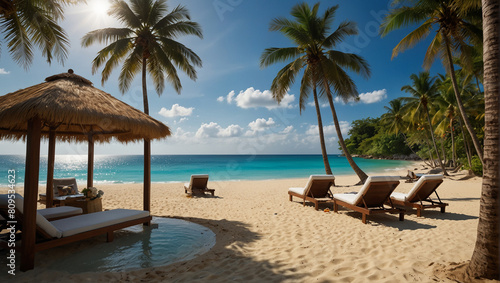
x,y
226,261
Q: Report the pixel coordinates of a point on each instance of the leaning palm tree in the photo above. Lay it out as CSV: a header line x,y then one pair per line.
x,y
485,261
457,28
147,44
423,91
323,68
28,23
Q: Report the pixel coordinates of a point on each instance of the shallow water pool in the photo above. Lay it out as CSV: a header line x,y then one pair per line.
x,y
167,241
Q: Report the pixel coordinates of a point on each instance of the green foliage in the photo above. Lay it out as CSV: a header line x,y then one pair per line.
x,y
477,166
367,137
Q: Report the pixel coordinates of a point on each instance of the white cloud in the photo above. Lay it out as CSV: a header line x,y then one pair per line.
x,y
4,72
181,120
261,124
176,111
373,97
322,105
330,129
220,98
287,130
367,97
214,130
252,98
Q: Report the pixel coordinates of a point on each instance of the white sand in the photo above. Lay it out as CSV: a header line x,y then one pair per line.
x,y
263,237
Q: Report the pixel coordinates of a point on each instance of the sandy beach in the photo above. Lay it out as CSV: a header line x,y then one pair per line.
x,y
263,237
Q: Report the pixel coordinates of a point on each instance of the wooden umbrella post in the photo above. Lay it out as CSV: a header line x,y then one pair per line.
x,y
90,164
147,177
49,192
30,193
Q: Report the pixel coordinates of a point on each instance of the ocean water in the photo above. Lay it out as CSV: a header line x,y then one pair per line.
x,y
178,168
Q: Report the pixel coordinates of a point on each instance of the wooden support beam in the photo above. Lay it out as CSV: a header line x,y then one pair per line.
x,y
90,163
147,177
30,193
50,168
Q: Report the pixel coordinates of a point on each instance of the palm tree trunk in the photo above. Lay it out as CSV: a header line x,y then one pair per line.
x,y
362,175
434,143
328,169
453,149
147,144
486,256
471,130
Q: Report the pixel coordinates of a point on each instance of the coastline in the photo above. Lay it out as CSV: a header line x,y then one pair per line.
x,y
262,236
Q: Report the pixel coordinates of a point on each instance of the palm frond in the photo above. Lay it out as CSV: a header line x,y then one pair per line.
x,y
413,38
285,78
433,50
180,28
345,29
403,17
275,54
105,35
122,12
130,68
350,61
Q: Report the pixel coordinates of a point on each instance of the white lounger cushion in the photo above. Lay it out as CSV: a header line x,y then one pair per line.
x,y
87,222
354,199
302,191
60,211
40,220
416,187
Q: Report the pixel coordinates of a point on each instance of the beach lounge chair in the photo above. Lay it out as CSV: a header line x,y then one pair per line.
x,y
71,229
317,190
371,198
198,185
58,185
419,196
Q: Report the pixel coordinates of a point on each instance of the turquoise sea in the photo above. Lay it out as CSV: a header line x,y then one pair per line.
x,y
178,168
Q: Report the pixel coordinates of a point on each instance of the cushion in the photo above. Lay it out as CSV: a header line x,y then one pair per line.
x,y
349,198
61,211
65,182
399,196
365,187
87,222
420,181
41,222
65,190
299,191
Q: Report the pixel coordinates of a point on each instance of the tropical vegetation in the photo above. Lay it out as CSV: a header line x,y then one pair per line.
x,y
323,68
26,24
146,45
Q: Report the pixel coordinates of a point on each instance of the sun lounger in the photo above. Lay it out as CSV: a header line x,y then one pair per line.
x,y
419,196
198,185
71,229
59,184
317,190
371,198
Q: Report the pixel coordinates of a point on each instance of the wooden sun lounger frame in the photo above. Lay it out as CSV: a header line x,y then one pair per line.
x,y
198,190
46,241
373,201
423,196
312,198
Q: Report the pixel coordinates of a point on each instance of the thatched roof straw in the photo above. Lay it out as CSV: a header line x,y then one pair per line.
x,y
74,107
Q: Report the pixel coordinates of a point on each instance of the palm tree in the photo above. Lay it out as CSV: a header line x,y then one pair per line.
x,y
423,91
456,28
29,23
146,44
394,122
323,68
485,261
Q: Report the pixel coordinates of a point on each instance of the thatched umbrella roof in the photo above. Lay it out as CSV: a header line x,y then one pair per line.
x,y
70,103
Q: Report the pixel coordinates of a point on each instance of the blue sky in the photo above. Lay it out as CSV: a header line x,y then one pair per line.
x,y
228,109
